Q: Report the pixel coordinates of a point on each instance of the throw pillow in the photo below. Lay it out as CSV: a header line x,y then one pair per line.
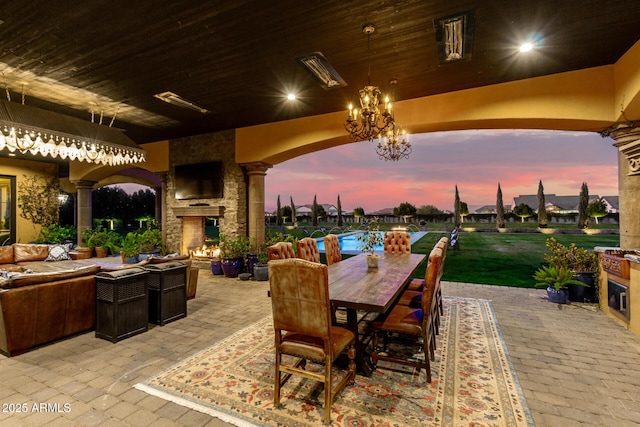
x,y
58,253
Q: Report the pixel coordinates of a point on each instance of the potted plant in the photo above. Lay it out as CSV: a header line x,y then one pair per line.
x,y
113,241
232,252
368,242
99,240
150,242
261,268
580,262
557,281
129,248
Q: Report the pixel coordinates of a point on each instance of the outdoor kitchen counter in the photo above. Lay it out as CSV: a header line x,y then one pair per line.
x,y
620,286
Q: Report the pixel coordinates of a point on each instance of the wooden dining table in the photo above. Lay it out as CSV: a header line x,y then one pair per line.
x,y
356,287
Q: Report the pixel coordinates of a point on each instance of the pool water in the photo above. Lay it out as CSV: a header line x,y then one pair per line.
x,y
349,244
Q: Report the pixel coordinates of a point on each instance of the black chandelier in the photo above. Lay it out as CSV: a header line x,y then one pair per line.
x,y
368,122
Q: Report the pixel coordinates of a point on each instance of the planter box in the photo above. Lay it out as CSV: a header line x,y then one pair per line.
x,y
167,284
121,304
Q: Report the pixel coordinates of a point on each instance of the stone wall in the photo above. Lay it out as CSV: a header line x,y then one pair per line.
x,y
218,146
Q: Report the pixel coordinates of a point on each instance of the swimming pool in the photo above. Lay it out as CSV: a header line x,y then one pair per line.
x,y
349,243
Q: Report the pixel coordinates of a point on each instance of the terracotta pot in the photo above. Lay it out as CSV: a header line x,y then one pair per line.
x,y
101,251
83,253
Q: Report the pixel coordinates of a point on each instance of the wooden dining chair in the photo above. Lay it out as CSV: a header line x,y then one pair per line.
x,y
418,284
303,329
308,249
281,250
397,242
332,249
431,280
406,322
443,243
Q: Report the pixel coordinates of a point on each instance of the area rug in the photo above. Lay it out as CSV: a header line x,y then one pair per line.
x,y
474,383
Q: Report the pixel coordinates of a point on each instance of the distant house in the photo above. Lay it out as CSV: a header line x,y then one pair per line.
x,y
612,203
304,210
491,209
382,212
553,203
307,210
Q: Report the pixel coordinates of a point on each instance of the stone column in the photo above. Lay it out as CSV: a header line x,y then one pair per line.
x,y
83,206
161,204
627,140
256,172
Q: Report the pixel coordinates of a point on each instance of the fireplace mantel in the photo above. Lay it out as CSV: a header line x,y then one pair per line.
x,y
216,211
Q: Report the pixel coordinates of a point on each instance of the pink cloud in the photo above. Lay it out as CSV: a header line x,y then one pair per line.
x,y
474,160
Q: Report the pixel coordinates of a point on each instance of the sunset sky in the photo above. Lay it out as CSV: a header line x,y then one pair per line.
x,y
475,161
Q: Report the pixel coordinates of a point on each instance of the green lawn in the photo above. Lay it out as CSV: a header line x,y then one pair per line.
x,y
506,259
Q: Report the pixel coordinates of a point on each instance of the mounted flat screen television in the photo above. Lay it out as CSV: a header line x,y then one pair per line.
x,y
199,181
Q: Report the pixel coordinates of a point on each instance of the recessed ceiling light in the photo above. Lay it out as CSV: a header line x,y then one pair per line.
x,y
291,97
526,47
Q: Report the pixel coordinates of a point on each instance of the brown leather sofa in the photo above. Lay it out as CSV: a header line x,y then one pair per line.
x,y
35,257
37,308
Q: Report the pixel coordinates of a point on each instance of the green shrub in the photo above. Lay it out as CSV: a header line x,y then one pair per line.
x,y
57,234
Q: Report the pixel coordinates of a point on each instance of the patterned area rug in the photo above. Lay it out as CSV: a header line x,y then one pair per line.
x,y
473,382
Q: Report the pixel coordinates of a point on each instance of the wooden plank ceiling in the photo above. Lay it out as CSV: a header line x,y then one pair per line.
x,y
236,59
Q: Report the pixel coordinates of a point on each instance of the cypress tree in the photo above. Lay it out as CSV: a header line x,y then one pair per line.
x,y
499,209
542,209
314,213
294,219
458,218
583,207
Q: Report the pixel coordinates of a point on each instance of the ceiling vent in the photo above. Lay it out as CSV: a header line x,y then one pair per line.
x,y
318,66
179,101
454,37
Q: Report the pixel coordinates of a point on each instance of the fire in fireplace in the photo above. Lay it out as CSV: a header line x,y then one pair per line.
x,y
205,251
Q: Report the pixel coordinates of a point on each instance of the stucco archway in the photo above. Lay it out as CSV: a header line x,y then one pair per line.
x,y
594,100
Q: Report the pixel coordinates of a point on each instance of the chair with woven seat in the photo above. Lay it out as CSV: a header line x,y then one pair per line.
x,y
403,322
303,328
308,249
281,250
397,242
332,249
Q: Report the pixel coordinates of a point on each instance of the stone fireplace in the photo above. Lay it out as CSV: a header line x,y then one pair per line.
x,y
184,220
193,225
